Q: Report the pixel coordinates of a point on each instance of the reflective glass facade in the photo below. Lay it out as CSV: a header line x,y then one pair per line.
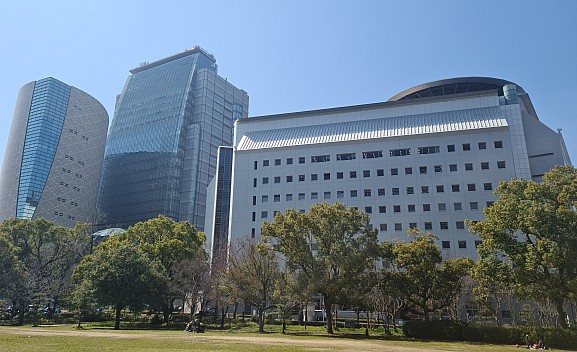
x,y
45,122
222,202
161,149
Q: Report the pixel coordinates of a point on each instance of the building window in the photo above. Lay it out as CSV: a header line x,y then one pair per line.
x,y
440,188
277,179
254,182
301,196
327,176
410,190
383,227
411,208
366,173
482,145
289,179
327,195
408,171
471,187
498,144
398,226
302,178
412,225
265,180
474,205
438,168
466,146
396,191
289,197
276,198
367,192
265,163
314,177
374,154
301,159
354,193
426,207
340,194
451,148
428,150
264,214
453,167
314,195
380,172
382,209
400,152
394,171
339,175
457,206
346,156
255,165
489,203
320,158
444,225
488,186
428,225
253,216
446,244
469,166
462,244
501,164
369,210
422,169
264,199
253,200
442,206
484,166
381,191
460,225
353,174
424,189
455,188
396,208
289,161
277,162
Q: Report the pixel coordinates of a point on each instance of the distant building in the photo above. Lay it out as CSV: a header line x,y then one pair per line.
x,y
429,158
53,159
169,121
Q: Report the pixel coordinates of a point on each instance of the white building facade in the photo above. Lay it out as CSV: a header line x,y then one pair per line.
x,y
430,158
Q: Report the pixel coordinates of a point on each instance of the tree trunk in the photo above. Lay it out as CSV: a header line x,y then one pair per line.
x,y
425,312
367,327
306,315
329,312
284,326
261,320
561,313
79,318
223,316
234,313
117,317
167,311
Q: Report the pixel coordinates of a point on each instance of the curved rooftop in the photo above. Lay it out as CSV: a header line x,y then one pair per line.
x,y
454,86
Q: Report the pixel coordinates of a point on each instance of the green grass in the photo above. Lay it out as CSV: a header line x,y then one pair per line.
x,y
102,339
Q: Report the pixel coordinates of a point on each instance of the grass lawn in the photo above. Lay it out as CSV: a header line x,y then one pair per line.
x,y
101,339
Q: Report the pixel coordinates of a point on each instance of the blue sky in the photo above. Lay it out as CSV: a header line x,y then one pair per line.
x,y
299,55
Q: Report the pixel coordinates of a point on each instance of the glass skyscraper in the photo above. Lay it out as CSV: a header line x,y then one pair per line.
x,y
169,121
54,155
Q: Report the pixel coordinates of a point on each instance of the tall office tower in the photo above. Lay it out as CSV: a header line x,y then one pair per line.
x,y
53,160
169,121
429,158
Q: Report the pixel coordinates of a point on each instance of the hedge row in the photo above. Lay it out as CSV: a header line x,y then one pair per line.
x,y
459,331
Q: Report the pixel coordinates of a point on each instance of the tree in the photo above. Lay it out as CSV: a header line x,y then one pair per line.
x,y
46,255
424,280
118,274
330,246
494,284
253,271
167,242
534,226
191,279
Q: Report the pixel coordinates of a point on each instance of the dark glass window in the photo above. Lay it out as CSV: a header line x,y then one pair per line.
x,y
500,164
451,148
320,158
446,244
498,144
265,163
482,145
302,178
455,188
289,161
440,188
400,152
469,166
340,175
346,156
411,208
488,186
408,171
458,206
369,210
396,208
462,244
396,191
289,179
314,177
381,192
277,179
422,169
367,192
474,205
382,209
265,180
373,154
438,168
410,190
485,166
380,172
301,159
460,225
428,225
429,150
444,225
327,176
353,174
426,207
398,226
471,187
453,167
466,146
383,227
277,162
394,172
353,193
424,189
366,173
